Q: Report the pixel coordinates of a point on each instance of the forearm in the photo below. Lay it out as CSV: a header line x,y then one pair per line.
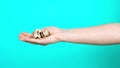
x,y
105,34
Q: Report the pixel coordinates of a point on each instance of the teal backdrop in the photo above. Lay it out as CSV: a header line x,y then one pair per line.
x,y
18,16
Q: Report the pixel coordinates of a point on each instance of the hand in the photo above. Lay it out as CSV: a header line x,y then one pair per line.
x,y
51,39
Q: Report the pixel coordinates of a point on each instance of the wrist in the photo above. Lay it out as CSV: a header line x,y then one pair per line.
x,y
60,36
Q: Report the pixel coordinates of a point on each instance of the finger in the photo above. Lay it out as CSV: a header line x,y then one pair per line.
x,y
26,34
32,40
40,41
22,36
36,41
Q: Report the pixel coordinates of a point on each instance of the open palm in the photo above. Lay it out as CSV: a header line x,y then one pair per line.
x,y
51,39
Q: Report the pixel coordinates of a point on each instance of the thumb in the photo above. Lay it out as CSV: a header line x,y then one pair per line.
x,y
53,29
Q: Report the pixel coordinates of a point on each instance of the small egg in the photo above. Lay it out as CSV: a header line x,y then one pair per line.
x,y
46,33
36,34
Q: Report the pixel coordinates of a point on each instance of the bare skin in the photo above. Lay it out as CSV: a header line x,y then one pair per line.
x,y
103,34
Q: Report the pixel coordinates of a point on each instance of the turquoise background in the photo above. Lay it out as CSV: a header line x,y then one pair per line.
x,y
18,16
